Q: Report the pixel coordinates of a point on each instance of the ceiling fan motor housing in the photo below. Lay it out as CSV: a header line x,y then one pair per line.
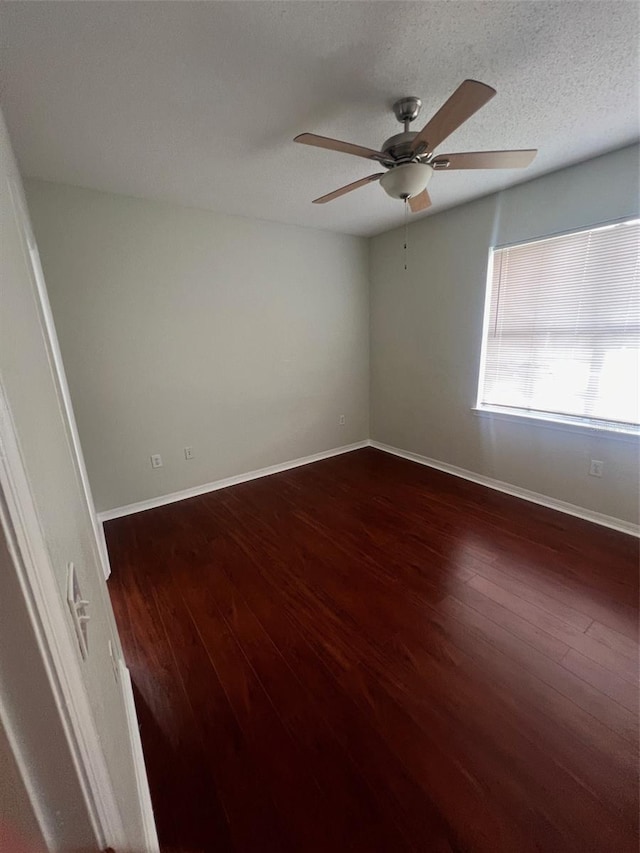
x,y
399,147
406,180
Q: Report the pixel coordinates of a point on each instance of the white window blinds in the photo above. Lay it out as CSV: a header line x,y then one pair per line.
x,y
562,336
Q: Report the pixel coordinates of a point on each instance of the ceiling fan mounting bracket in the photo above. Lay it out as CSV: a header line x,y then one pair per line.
x,y
407,110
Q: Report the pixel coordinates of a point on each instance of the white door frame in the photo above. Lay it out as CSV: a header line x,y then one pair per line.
x,y
31,560
60,379
21,524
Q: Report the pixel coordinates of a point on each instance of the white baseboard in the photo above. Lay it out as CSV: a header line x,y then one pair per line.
x,y
516,491
500,486
144,797
193,492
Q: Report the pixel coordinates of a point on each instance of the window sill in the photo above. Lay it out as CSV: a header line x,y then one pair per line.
x,y
551,423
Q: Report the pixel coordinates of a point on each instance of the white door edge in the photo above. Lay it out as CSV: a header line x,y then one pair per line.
x,y
49,624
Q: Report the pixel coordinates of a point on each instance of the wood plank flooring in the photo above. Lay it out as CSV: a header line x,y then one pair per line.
x,y
368,655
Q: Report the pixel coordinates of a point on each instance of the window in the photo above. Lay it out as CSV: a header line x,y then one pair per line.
x,y
562,326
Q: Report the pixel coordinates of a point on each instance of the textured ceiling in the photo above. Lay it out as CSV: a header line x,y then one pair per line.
x,y
198,103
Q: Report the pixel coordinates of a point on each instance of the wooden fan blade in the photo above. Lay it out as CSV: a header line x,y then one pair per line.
x,y
485,160
349,187
465,101
337,145
420,202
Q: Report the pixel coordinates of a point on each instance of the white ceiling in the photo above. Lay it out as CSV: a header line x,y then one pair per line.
x,y
198,103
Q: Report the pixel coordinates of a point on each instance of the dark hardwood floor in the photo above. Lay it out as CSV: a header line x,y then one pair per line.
x,y
368,655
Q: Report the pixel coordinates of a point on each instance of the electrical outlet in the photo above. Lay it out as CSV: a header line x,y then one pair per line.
x,y
156,460
596,469
188,453
342,420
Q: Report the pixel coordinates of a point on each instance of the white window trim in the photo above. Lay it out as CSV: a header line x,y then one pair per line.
x,y
557,422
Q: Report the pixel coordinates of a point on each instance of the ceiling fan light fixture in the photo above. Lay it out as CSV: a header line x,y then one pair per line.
x,y
407,180
410,157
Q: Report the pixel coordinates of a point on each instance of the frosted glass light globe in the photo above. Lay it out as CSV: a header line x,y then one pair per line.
x,y
407,180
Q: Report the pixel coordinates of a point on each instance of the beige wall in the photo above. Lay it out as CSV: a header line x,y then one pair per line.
x,y
32,390
17,818
426,334
246,340
242,339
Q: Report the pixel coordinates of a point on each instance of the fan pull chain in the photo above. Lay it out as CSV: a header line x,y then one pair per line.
x,y
406,232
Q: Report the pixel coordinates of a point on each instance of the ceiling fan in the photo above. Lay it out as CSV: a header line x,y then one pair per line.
x,y
409,157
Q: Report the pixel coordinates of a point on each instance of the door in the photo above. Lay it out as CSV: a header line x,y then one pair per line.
x,y
56,536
